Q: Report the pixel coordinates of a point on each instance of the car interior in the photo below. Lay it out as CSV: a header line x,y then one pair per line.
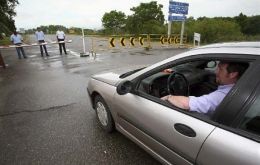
x,y
194,78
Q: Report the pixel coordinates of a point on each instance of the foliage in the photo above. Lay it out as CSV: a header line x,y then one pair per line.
x,y
5,41
252,25
6,14
114,21
147,18
241,20
215,30
52,29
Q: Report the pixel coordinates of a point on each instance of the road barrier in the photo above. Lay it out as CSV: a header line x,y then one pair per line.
x,y
34,44
2,63
132,41
146,40
99,43
122,41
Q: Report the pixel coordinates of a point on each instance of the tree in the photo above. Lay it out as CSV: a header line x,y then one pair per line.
x,y
147,18
6,14
216,30
252,25
241,20
114,21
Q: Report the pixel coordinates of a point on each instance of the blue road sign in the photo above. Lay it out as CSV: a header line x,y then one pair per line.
x,y
176,18
178,7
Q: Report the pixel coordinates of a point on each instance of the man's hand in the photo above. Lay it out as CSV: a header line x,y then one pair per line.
x,y
165,98
169,70
178,101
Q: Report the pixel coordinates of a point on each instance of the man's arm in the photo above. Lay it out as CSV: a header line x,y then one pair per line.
x,y
11,39
178,101
57,35
64,35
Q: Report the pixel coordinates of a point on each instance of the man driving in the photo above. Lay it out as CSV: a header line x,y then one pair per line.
x,y
227,74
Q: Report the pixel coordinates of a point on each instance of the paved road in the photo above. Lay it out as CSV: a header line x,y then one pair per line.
x,y
45,115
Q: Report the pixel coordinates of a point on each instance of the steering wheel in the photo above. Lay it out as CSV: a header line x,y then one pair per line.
x,y
177,84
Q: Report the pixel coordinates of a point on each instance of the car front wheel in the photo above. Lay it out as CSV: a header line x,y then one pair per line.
x,y
103,114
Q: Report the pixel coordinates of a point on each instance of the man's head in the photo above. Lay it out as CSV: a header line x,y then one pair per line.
x,y
15,33
38,29
229,72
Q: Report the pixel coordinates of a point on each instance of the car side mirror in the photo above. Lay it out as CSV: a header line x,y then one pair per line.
x,y
211,64
124,87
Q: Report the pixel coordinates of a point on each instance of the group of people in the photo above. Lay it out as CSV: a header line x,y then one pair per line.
x,y
17,40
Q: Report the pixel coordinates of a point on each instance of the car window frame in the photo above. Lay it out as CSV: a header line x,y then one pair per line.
x,y
251,100
235,127
233,103
207,56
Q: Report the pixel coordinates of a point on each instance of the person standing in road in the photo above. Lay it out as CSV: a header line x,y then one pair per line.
x,y
17,39
40,38
61,37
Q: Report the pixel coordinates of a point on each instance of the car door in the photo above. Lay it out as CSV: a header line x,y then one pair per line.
x,y
237,141
170,134
175,136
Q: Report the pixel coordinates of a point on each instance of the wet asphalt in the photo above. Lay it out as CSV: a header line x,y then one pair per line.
x,y
45,114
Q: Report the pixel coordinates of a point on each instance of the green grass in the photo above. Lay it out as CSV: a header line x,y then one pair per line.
x,y
5,41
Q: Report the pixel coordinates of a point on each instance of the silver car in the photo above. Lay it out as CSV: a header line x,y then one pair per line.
x,y
131,103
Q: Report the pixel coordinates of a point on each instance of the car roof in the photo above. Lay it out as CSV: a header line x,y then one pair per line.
x,y
242,48
232,45
247,48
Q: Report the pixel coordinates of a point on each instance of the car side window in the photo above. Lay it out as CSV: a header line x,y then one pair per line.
x,y
251,121
193,78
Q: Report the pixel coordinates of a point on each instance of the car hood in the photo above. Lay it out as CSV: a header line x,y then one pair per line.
x,y
109,78
112,76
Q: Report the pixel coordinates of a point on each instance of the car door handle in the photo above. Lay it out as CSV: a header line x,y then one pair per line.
x,y
184,130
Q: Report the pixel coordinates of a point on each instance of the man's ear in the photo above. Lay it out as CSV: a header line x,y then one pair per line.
x,y
233,75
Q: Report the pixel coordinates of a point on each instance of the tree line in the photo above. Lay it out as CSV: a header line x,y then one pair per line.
x,y
7,13
148,18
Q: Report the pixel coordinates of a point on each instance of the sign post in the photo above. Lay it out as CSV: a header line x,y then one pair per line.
x,y
182,31
169,28
196,38
84,54
177,8
83,41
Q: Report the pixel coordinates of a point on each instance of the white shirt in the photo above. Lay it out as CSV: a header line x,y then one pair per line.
x,y
208,103
16,39
39,35
60,34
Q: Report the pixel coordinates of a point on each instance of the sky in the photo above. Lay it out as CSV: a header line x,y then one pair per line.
x,y
89,13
